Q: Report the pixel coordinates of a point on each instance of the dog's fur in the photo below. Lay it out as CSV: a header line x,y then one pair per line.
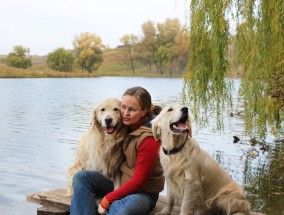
x,y
193,177
99,148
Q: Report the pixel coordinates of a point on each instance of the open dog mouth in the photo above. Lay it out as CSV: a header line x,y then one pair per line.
x,y
180,126
110,129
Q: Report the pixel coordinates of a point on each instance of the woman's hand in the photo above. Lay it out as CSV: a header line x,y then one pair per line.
x,y
103,206
101,210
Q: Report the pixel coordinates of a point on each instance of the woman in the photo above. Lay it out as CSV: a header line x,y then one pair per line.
x,y
142,176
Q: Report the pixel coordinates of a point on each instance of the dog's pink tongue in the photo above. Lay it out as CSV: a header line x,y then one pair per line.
x,y
181,126
109,129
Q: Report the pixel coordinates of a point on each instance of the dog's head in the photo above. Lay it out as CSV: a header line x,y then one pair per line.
x,y
174,119
107,116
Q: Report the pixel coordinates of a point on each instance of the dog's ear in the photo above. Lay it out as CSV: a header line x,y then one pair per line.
x,y
156,129
95,123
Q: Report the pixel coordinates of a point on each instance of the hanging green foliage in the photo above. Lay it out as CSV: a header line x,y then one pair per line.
x,y
260,49
205,82
260,54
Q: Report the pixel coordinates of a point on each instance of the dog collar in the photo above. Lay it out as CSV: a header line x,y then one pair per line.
x,y
176,149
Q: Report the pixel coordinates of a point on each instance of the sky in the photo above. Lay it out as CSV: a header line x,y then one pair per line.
x,y
45,25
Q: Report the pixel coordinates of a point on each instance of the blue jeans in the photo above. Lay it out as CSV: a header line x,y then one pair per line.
x,y
90,185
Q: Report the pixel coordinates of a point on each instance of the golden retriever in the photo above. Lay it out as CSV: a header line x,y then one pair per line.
x,y
99,148
193,177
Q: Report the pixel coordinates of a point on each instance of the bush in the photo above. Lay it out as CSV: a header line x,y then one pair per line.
x,y
61,60
18,58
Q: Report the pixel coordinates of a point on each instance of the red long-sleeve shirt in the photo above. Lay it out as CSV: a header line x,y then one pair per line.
x,y
148,153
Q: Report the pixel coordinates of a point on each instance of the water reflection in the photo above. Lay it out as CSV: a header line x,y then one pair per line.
x,y
265,181
41,121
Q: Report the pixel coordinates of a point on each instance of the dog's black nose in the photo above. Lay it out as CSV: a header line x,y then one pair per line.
x,y
108,121
184,110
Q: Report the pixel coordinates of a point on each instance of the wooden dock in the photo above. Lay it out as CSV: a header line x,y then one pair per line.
x,y
54,202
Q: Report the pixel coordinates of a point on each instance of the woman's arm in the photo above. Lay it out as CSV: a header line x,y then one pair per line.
x,y
148,153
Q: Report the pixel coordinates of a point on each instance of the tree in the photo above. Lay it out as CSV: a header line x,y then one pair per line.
x,y
205,82
88,51
149,45
18,58
128,53
162,56
61,60
260,47
179,52
168,32
158,42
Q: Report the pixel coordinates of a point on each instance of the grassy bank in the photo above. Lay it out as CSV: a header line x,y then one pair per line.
x,y
10,72
109,67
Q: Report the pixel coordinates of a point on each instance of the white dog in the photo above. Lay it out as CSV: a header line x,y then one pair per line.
x,y
99,148
193,177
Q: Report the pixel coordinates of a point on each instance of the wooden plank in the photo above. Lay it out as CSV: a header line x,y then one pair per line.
x,y
55,199
55,202
49,211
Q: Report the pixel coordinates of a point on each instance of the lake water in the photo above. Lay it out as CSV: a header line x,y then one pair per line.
x,y
42,120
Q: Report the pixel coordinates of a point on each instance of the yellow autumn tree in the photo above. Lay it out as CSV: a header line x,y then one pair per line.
x,y
88,50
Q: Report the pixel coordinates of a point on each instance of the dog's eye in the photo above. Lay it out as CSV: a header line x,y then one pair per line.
x,y
116,109
170,109
103,109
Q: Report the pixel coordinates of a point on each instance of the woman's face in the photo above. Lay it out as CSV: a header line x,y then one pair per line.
x,y
131,110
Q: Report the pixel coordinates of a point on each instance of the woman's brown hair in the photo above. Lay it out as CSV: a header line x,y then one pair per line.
x,y
144,98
